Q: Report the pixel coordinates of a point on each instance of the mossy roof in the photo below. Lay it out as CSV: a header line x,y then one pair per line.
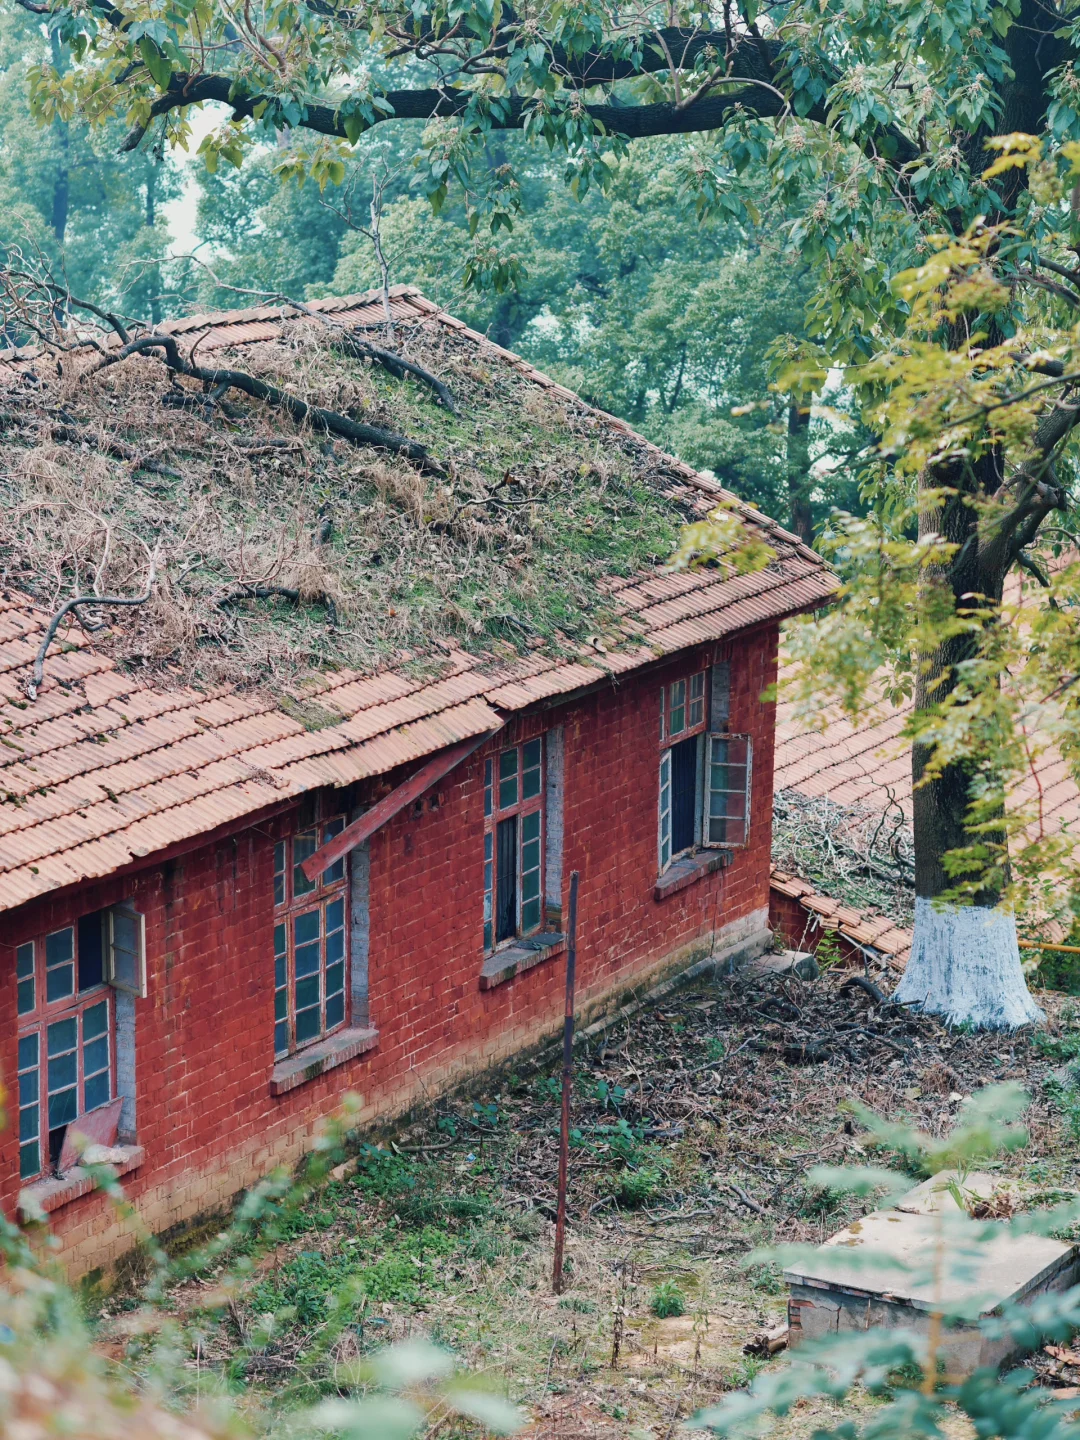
x,y
528,561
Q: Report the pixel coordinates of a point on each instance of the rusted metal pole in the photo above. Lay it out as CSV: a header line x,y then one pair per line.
x,y
567,1083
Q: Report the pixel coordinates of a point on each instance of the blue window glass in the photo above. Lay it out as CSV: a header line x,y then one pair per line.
x,y
304,846
310,948
97,1085
29,1107
337,870
530,770
63,1071
508,779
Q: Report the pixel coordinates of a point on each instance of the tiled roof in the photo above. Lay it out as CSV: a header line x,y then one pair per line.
x,y
869,766
876,932
104,768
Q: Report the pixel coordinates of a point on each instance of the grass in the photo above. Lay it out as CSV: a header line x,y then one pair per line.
x,y
455,1242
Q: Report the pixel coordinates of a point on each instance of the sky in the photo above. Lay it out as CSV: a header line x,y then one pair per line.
x,y
181,213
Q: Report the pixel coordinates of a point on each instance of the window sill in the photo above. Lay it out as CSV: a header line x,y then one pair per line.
x,y
684,872
45,1196
518,958
315,1060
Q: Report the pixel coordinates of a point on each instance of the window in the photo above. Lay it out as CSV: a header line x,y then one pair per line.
x,y
704,778
310,941
513,843
67,1015
727,793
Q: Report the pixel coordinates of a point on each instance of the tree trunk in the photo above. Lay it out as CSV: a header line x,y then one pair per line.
x,y
151,221
965,962
61,196
798,472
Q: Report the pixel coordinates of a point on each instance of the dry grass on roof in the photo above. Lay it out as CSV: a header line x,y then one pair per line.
x,y
539,502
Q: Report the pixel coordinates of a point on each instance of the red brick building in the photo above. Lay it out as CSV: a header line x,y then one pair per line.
x,y
174,980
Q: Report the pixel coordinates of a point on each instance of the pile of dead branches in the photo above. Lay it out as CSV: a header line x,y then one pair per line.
x,y
858,854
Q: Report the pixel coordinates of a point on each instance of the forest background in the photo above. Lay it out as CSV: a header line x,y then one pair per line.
x,y
676,322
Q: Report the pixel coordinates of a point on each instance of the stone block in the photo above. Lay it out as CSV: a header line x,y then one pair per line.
x,y
899,1266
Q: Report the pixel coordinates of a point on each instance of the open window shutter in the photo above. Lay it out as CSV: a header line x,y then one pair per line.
x,y
126,957
664,835
727,791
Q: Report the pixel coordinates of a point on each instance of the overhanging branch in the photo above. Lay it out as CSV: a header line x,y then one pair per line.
x,y
636,122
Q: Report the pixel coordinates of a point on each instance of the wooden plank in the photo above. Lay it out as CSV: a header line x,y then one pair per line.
x,y
410,790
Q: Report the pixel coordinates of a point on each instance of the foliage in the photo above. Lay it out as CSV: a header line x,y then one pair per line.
x,y
668,1300
64,188
51,1374
666,323
903,1368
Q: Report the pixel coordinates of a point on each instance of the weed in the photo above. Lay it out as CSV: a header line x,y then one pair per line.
x,y
605,1094
578,1304
828,952
743,1373
667,1301
818,1203
1057,1047
636,1187
1066,1095
715,1049
767,1278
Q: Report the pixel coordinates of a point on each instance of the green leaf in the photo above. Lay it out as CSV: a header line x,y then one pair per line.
x,y
159,65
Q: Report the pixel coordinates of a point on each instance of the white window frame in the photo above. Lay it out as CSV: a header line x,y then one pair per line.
x,y
125,969
707,791
663,837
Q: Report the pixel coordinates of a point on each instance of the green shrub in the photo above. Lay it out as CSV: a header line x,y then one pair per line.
x,y
667,1301
1059,971
636,1187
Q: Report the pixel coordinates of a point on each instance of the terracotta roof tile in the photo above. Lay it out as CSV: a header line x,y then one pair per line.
x,y
104,768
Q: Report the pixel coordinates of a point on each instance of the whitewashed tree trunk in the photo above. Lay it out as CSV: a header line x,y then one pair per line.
x,y
965,967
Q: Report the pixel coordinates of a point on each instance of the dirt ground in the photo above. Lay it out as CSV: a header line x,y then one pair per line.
x,y
695,1123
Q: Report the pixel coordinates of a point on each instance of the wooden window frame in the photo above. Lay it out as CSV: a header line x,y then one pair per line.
x,y
684,715
37,1031
712,740
316,898
530,811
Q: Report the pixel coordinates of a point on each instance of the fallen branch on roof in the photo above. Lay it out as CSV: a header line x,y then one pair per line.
x,y
281,592
73,605
347,340
398,366
221,380
75,435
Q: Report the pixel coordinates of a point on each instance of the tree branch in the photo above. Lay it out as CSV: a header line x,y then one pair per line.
x,y
328,421
635,122
54,624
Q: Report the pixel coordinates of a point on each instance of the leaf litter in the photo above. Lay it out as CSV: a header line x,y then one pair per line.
x,y
692,1139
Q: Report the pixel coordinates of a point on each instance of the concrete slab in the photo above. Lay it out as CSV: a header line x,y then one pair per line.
x,y
895,1267
799,963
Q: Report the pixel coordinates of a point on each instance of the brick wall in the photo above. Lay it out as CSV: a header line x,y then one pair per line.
x,y
205,1116
801,929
